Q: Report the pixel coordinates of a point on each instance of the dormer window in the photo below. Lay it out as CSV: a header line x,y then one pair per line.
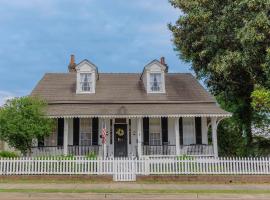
x,y
86,82
155,82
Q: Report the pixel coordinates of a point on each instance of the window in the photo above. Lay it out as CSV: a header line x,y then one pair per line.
x,y
85,82
155,82
154,131
86,131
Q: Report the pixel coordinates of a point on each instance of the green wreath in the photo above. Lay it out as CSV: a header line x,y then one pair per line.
x,y
120,132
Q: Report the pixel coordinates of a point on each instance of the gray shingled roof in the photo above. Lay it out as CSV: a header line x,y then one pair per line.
x,y
184,95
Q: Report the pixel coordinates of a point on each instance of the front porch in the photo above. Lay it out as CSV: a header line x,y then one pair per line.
x,y
131,137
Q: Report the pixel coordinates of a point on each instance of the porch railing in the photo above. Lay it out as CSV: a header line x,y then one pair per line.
x,y
197,150
47,151
159,149
83,150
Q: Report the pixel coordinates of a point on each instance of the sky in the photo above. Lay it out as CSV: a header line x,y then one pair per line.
x,y
38,36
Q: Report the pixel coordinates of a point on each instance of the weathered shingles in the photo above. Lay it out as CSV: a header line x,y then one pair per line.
x,y
120,87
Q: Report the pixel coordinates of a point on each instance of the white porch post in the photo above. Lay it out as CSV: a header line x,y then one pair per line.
x,y
214,135
105,135
139,130
65,142
177,140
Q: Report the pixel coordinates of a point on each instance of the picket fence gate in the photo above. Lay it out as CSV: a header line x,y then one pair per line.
x,y
126,169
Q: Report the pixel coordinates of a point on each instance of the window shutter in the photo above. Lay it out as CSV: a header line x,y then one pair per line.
x,y
164,127
146,130
95,131
198,129
41,142
60,132
76,131
181,130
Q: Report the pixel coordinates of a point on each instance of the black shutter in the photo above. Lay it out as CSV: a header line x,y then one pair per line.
x,y
181,130
146,130
60,132
164,127
41,142
198,129
95,131
76,131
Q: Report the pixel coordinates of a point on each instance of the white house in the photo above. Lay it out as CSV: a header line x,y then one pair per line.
x,y
151,113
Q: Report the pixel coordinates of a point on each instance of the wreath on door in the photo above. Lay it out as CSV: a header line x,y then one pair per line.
x,y
120,132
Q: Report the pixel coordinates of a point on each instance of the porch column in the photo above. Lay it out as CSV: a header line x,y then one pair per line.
x,y
214,135
177,140
104,138
139,130
65,141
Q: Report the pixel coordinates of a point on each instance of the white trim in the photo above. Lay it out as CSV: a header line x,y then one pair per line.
x,y
140,116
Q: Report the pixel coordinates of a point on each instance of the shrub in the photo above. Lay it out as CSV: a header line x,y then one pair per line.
x,y
8,154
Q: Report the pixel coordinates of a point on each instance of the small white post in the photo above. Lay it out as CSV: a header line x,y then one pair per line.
x,y
177,140
214,135
139,130
65,142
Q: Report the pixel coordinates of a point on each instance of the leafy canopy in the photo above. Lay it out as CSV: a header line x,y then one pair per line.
x,y
228,44
22,120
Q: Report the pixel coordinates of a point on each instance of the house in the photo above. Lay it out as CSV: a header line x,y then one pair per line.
x,y
152,113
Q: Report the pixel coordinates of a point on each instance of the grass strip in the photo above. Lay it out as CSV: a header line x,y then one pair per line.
x,y
136,191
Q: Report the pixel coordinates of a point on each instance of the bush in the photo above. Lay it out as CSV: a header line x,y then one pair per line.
x,y
8,154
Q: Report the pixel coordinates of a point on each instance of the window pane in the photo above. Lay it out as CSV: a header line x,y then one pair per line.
x,y
86,82
85,131
154,131
155,82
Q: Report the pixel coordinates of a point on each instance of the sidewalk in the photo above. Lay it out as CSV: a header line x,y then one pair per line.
x,y
135,186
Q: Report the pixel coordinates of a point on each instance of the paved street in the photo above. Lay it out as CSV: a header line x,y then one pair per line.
x,y
33,193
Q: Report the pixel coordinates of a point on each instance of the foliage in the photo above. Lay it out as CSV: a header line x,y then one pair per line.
x,y
22,120
229,47
8,154
261,146
91,156
230,138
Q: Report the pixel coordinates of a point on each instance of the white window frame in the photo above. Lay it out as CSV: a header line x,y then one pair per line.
x,y
159,83
90,81
87,141
154,141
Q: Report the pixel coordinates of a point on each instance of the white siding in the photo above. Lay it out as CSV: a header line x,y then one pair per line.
x,y
171,131
204,131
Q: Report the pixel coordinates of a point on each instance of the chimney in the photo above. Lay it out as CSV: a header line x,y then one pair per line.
x,y
162,61
72,64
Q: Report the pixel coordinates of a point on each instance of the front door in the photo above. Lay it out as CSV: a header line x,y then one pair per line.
x,y
120,140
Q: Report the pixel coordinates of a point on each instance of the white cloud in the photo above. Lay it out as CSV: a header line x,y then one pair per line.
x,y
4,96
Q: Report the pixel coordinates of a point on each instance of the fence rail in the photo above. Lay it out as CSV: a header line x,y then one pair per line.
x,y
128,168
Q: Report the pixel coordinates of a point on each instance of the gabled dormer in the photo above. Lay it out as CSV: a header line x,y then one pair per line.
x,y
153,76
87,75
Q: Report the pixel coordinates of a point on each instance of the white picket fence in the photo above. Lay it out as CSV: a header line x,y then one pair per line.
x,y
126,169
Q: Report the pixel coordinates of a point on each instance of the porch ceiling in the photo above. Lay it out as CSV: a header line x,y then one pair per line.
x,y
136,110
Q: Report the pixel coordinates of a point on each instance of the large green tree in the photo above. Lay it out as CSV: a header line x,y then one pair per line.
x,y
22,120
228,44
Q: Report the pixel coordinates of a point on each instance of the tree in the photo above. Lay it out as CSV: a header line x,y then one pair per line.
x,y
22,120
228,44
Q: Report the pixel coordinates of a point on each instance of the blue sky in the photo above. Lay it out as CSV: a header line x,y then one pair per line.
x,y
38,36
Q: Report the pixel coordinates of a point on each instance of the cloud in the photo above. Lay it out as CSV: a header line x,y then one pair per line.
x,y
4,96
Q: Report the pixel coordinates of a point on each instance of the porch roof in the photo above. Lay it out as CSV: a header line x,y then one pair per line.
x,y
69,110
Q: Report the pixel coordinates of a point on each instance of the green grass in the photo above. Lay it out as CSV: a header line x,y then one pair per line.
x,y
136,191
